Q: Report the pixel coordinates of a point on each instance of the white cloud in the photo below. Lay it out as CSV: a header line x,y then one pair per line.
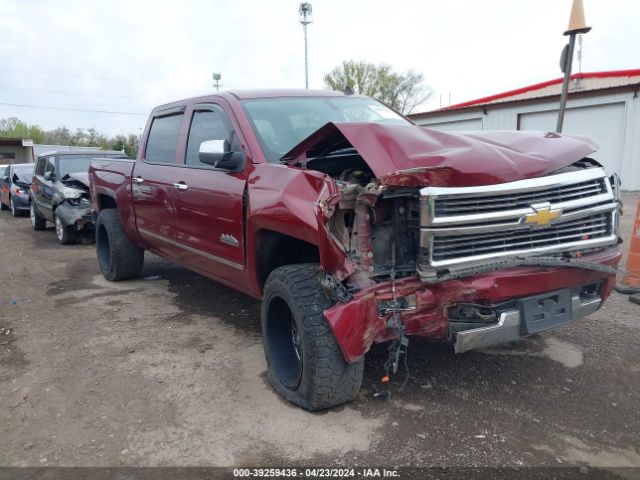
x,y
168,50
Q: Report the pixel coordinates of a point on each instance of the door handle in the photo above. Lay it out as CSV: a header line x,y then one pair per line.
x,y
180,186
137,180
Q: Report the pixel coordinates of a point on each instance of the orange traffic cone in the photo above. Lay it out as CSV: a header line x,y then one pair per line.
x,y
631,281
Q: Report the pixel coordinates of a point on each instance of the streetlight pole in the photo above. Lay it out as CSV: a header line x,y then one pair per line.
x,y
216,79
577,24
305,19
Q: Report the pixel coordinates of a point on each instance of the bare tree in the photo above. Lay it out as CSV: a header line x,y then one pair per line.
x,y
402,91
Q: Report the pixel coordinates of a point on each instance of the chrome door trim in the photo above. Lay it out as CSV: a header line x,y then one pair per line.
x,y
207,255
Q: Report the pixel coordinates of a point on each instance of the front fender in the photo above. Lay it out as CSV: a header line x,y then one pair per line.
x,y
290,201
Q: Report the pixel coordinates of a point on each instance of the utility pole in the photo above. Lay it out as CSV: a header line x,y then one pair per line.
x,y
577,24
216,81
305,19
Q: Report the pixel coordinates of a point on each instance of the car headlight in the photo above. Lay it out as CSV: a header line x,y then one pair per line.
x,y
69,192
79,202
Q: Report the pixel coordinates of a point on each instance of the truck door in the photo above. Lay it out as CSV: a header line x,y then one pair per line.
x,y
152,183
209,201
42,187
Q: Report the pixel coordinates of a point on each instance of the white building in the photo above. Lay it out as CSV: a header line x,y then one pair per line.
x,y
602,105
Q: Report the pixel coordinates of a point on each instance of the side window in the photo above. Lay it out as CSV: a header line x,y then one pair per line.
x,y
40,166
207,125
163,139
51,165
6,172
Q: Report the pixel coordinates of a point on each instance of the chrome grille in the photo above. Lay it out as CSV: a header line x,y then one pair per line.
x,y
465,226
588,228
463,205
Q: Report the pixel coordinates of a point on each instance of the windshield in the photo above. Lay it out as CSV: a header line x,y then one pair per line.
x,y
281,123
75,164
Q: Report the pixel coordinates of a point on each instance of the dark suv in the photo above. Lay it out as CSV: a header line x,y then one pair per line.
x,y
60,193
14,188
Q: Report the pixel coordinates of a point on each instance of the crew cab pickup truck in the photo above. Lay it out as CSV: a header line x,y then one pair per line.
x,y
354,226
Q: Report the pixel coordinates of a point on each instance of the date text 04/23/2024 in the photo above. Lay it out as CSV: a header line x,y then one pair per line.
x,y
315,473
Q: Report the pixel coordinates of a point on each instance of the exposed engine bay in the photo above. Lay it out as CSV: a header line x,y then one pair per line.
x,y
398,226
73,206
377,228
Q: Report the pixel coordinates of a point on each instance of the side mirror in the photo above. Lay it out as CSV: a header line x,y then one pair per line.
x,y
218,154
5,178
49,175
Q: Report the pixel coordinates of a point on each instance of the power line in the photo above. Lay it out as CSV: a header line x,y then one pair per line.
x,y
66,92
107,79
47,107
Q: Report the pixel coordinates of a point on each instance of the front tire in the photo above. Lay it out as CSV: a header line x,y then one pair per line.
x,y
305,363
118,257
66,236
37,222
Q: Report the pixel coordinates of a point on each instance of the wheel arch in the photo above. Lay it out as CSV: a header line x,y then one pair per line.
x,y
275,249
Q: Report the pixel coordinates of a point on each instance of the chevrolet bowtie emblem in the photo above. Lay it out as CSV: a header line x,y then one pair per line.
x,y
543,215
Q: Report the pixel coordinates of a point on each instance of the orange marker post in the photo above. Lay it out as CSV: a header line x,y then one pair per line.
x,y
631,280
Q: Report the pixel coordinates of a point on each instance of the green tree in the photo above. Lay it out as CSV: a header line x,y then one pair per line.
x,y
79,138
118,142
58,136
13,127
131,147
402,91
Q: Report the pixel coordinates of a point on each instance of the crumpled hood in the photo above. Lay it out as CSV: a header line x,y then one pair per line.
x,y
445,158
82,177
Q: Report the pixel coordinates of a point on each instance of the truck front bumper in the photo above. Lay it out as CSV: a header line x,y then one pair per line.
x,y
511,327
360,322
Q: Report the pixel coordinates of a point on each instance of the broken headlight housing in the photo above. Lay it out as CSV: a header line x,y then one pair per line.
x,y
68,192
79,201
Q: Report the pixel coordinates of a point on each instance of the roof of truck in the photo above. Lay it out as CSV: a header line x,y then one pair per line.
x,y
255,94
279,93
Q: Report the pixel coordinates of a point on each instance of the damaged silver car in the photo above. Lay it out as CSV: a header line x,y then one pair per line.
x,y
60,194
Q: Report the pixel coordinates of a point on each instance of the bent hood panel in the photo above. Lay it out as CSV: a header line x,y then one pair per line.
x,y
74,178
471,158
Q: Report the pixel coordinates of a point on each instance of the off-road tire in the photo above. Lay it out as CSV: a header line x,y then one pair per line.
x,y
118,257
65,235
37,221
325,379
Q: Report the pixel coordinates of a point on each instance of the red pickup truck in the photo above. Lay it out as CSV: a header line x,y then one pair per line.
x,y
356,226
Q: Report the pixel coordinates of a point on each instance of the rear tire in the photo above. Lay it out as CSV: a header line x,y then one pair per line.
x,y
12,207
3,206
66,236
305,363
118,257
37,222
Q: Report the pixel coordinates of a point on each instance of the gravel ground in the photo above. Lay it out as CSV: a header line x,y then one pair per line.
x,y
168,370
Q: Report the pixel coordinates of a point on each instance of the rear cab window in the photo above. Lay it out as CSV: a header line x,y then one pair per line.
x,y
162,142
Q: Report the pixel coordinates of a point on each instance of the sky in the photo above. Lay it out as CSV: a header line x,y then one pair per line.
x,y
129,56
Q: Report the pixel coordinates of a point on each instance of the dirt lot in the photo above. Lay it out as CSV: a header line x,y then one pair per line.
x,y
169,370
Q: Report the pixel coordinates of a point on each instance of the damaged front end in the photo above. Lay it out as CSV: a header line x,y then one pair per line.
x,y
73,206
459,237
